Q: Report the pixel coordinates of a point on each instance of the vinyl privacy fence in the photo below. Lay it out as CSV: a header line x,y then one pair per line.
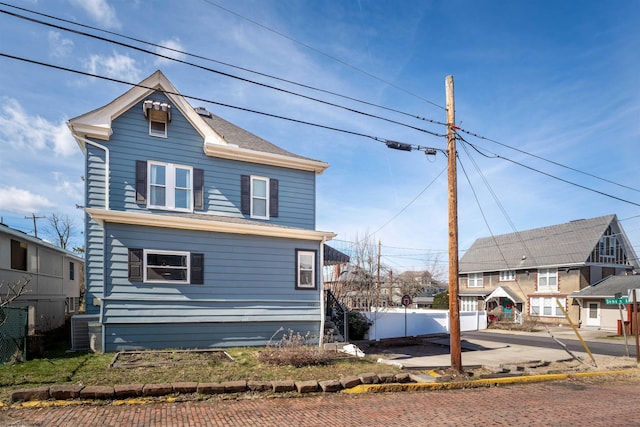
x,y
398,322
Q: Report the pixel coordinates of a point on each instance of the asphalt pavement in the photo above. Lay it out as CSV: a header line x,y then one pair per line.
x,y
490,348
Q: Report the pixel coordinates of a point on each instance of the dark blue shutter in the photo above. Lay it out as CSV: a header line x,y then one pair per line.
x,y
141,182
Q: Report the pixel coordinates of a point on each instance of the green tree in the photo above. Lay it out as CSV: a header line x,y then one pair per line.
x,y
441,301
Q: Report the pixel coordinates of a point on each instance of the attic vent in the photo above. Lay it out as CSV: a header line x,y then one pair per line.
x,y
156,110
203,112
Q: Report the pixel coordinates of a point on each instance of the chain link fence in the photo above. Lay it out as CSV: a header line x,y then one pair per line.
x,y
13,333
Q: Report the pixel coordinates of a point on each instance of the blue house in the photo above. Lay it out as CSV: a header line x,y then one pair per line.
x,y
198,233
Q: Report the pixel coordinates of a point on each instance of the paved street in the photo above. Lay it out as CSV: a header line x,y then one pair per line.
x,y
561,403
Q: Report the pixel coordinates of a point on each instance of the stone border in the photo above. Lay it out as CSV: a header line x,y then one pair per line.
x,y
66,392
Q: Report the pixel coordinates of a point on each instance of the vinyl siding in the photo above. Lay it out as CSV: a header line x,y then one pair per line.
x,y
95,185
195,335
248,281
130,142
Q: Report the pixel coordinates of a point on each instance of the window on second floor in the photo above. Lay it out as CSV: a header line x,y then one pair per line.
x,y
18,255
507,276
72,271
169,186
548,280
474,280
259,196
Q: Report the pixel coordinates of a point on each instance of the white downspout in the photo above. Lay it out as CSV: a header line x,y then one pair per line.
x,y
322,302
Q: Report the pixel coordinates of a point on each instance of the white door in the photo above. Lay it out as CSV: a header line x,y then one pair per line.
x,y
593,314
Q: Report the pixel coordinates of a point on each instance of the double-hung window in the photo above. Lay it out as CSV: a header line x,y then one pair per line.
x,y
170,186
474,280
548,280
305,269
259,197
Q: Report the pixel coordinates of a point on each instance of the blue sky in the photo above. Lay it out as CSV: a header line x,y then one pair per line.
x,y
548,78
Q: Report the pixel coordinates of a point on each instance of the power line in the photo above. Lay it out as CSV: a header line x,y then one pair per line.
x,y
360,70
547,160
222,73
584,187
57,67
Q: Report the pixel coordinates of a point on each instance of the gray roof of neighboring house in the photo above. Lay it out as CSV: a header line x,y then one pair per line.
x,y
557,245
242,138
4,228
609,287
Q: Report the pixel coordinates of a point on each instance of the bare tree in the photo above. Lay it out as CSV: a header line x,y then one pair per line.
x,y
358,287
60,228
11,290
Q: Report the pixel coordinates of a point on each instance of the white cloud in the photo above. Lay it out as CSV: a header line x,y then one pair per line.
x,y
100,11
173,45
115,66
59,47
24,132
17,200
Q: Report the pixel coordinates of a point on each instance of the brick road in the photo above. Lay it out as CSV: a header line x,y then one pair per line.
x,y
561,403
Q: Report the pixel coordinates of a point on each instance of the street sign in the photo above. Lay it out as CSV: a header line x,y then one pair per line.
x,y
613,301
406,300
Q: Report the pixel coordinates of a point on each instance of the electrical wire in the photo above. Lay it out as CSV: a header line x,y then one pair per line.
x,y
548,160
196,98
584,187
326,55
411,202
222,73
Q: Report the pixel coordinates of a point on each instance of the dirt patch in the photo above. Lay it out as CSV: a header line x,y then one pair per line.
x,y
153,358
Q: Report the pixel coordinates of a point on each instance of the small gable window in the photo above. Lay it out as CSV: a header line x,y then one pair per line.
x,y
159,115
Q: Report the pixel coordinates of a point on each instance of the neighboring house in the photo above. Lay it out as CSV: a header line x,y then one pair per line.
x,y
599,306
525,274
198,233
55,278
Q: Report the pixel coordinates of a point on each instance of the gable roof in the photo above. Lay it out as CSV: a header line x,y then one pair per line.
x,y
221,138
609,287
568,244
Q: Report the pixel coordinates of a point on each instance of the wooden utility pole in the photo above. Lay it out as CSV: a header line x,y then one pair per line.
x,y
454,309
35,225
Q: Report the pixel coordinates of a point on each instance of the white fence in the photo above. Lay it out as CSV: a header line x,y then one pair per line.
x,y
396,322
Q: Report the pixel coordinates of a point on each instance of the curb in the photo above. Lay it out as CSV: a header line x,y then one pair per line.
x,y
388,388
139,394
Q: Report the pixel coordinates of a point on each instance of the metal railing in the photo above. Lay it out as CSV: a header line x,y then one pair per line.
x,y
337,314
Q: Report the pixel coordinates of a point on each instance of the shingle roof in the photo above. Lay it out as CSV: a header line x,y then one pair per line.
x,y
557,245
244,139
609,287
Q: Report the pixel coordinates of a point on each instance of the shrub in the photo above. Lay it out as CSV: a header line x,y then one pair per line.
x,y
295,350
358,325
441,301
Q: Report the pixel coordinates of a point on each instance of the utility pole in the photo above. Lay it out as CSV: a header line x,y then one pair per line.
x,y
379,290
454,309
35,226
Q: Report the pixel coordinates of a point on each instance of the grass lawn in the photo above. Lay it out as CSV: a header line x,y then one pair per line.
x,y
95,369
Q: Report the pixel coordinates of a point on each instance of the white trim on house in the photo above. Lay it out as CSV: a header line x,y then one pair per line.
x,y
208,224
